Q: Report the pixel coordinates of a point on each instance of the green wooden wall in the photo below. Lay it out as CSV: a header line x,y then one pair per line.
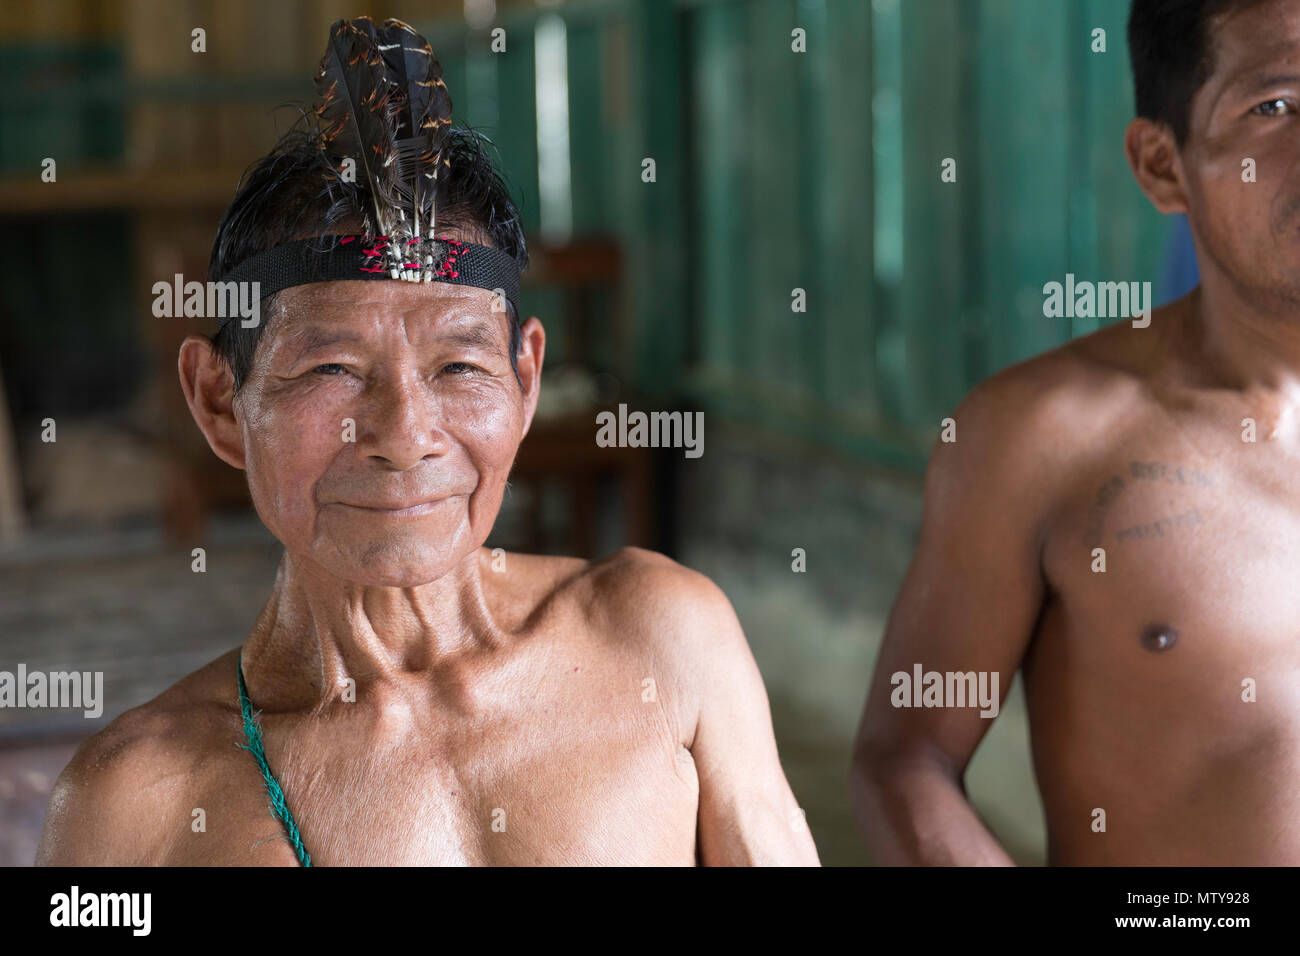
x,y
917,289
821,171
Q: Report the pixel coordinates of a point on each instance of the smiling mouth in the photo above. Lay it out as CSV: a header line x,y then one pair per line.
x,y
405,511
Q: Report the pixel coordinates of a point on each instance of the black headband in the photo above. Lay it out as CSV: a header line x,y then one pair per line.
x,y
361,257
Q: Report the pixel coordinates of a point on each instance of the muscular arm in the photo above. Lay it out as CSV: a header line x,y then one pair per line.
x,y
969,602
747,813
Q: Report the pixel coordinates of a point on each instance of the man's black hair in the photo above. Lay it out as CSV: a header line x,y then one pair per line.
x,y
295,192
1172,55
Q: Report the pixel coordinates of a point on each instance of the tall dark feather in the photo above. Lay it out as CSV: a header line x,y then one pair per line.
x,y
382,100
355,98
424,117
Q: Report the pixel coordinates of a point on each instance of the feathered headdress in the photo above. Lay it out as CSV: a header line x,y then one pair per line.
x,y
383,103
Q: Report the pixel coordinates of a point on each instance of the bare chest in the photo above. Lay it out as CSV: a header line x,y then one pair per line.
x,y
1167,657
1190,568
577,770
1163,680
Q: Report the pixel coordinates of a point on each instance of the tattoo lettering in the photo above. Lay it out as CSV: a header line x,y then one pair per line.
x,y
1143,471
1160,528
1106,495
1174,474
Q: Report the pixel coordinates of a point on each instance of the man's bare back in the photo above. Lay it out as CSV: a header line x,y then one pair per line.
x,y
1138,677
565,736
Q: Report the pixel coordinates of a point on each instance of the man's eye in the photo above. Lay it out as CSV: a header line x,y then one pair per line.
x,y
458,368
330,368
1274,108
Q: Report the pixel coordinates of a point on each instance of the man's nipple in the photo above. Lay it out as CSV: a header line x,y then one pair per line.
x,y
1159,637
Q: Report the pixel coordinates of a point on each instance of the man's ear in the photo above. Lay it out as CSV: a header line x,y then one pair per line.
x,y
532,349
209,390
1153,156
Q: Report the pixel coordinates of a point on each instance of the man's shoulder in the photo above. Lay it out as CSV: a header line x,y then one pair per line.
x,y
641,587
135,779
1074,398
632,594
1025,435
1065,388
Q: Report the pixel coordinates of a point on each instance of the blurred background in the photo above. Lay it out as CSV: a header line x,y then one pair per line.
x,y
775,170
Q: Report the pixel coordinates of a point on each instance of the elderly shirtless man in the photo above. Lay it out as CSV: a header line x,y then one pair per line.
x,y
1164,691
413,698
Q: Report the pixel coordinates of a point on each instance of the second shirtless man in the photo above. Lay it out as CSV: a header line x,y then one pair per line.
x,y
1164,691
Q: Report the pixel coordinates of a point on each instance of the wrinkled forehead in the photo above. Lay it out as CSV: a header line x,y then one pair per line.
x,y
377,306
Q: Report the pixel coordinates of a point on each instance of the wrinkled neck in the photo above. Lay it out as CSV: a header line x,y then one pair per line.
x,y
317,632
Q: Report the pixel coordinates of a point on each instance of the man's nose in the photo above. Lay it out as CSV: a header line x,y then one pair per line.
x,y
403,423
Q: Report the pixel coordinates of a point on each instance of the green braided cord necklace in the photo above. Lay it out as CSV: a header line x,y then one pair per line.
x,y
279,807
